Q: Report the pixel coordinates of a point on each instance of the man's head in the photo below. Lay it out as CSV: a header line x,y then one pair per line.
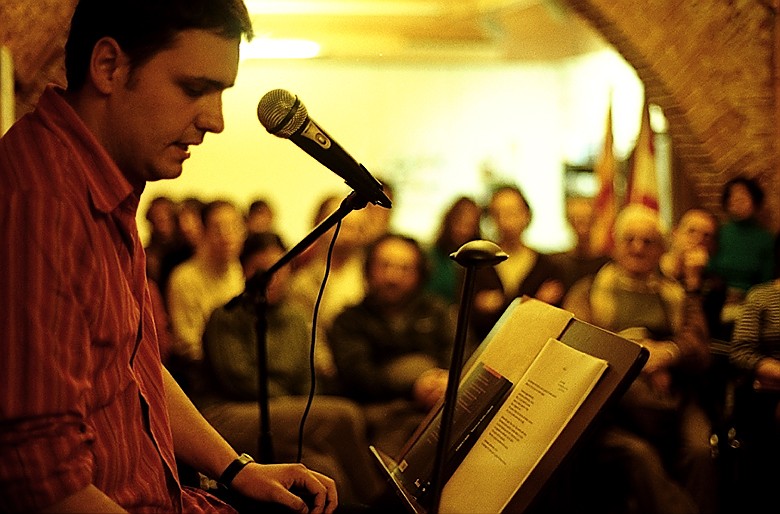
x,y
259,217
697,228
395,268
161,216
142,28
223,231
147,76
639,240
579,214
352,234
262,250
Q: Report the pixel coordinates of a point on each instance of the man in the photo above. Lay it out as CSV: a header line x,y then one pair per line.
x,y
334,440
657,440
581,260
692,244
207,280
90,420
392,349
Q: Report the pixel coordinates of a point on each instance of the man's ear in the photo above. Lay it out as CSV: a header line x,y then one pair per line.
x,y
108,66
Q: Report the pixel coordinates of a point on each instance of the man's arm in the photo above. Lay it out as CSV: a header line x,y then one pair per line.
x,y
198,444
191,433
88,500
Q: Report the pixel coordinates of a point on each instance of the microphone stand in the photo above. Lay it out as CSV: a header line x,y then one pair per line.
x,y
472,255
255,293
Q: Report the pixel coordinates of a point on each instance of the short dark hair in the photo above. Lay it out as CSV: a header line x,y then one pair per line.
x,y
423,267
158,201
212,206
260,242
753,188
259,204
515,189
142,28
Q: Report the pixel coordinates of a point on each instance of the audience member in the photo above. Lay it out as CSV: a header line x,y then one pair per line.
x,y
393,348
459,225
755,352
89,419
581,260
190,217
745,253
163,234
345,279
189,230
334,441
526,272
260,217
777,255
204,282
657,439
378,218
693,241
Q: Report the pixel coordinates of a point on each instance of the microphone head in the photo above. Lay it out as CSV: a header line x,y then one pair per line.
x,y
281,113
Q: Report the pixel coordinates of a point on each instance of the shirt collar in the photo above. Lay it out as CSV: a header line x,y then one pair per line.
x,y
108,186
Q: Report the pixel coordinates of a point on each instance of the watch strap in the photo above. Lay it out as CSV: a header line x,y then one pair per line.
x,y
227,476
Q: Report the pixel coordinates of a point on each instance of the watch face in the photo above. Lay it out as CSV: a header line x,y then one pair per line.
x,y
245,458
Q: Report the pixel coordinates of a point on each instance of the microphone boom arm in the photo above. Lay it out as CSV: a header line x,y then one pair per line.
x,y
255,292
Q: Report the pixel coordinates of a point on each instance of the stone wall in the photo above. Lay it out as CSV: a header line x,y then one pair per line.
x,y
710,65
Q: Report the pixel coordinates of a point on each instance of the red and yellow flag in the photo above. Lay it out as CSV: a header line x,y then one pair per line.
x,y
605,204
642,180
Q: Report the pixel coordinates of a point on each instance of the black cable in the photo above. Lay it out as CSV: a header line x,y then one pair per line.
x,y
312,370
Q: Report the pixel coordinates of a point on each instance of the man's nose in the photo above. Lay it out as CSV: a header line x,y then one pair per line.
x,y
210,118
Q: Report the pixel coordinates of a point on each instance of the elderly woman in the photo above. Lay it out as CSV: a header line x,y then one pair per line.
x,y
658,437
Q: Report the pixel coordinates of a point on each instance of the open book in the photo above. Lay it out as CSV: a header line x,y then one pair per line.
x,y
523,429
479,397
519,393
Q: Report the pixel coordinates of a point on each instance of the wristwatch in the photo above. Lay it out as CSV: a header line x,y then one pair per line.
x,y
227,476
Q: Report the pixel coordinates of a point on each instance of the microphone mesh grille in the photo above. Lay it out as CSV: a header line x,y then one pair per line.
x,y
275,112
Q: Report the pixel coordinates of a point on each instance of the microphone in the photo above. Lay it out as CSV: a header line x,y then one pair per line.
x,y
283,115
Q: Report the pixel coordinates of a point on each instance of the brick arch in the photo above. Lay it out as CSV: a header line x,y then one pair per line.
x,y
710,65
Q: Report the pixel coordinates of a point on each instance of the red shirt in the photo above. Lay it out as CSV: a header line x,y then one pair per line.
x,y
81,397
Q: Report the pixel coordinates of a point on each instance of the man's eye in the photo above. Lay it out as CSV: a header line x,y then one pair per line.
x,y
192,91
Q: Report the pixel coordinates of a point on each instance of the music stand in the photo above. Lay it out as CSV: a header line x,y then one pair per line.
x,y
472,255
625,360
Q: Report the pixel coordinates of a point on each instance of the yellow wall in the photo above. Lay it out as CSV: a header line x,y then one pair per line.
x,y
432,131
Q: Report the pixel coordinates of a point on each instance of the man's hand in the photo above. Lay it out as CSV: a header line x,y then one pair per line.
x,y
767,375
274,483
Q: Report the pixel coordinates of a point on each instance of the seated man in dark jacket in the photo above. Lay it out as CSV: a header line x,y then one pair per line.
x,y
334,438
393,349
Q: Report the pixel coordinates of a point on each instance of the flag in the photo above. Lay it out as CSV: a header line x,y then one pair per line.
x,y
605,204
642,181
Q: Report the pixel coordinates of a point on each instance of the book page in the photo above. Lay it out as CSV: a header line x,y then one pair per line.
x,y
523,429
519,335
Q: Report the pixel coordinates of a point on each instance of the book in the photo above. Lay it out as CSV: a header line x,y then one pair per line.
x,y
479,396
528,422
518,392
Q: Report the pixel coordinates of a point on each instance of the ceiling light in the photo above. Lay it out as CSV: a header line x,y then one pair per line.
x,y
270,48
345,7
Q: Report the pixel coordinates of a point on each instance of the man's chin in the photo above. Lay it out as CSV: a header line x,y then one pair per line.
x,y
167,173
